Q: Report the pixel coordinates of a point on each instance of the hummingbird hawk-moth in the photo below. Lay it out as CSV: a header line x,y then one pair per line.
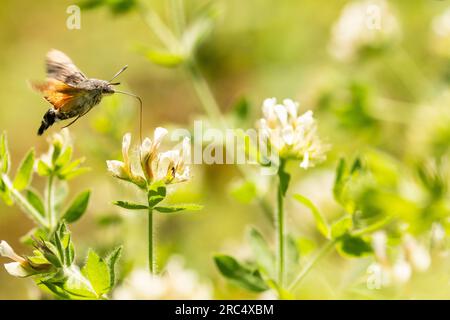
x,y
70,92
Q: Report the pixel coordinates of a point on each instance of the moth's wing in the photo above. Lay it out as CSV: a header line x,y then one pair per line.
x,y
61,95
60,67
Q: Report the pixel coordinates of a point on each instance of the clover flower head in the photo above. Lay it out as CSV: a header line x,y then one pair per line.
x,y
168,166
171,165
293,136
363,24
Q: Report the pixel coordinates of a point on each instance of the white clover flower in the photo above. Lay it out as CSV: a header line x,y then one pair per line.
x,y
292,136
363,24
417,254
440,38
175,283
117,168
169,166
123,169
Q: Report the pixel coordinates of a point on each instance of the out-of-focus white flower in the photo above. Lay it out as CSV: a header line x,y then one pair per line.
x,y
440,39
363,24
401,272
437,233
411,256
379,241
293,136
428,128
175,283
417,254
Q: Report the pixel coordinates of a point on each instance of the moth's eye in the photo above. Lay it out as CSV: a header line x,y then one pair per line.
x,y
108,90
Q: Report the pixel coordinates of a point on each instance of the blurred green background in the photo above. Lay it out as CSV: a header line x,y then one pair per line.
x,y
393,101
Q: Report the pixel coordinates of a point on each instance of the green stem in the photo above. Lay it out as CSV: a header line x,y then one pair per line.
x,y
160,29
177,10
151,259
27,207
201,87
280,225
323,251
51,215
205,95
329,245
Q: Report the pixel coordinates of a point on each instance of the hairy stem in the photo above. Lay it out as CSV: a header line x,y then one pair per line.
x,y
322,252
151,260
24,204
51,215
280,225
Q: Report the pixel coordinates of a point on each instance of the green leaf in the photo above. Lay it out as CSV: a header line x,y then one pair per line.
x,y
341,227
179,207
5,194
64,158
292,255
97,272
338,182
264,257
196,33
240,274
78,285
321,223
43,169
156,193
111,261
49,251
164,58
36,233
130,205
306,246
36,201
78,207
24,172
242,109
283,294
61,190
353,246
4,154
284,178
246,192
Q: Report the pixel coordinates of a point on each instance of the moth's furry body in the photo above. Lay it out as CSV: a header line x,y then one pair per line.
x,y
70,92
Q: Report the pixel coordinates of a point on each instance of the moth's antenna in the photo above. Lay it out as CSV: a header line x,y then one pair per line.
x,y
140,109
119,72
